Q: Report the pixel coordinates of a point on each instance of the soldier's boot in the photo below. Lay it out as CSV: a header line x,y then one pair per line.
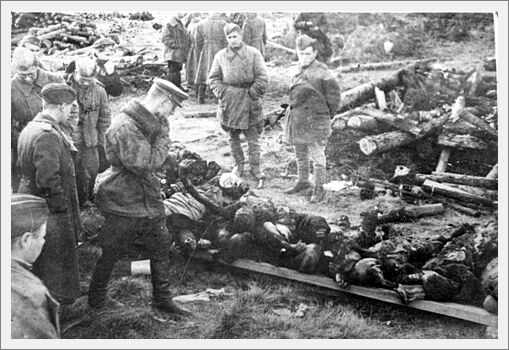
x,y
318,191
161,292
254,158
201,93
302,158
238,155
99,284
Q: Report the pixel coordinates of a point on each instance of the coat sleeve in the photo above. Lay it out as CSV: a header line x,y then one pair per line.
x,y
332,92
264,33
168,37
198,37
246,33
215,78
104,119
137,154
46,160
261,80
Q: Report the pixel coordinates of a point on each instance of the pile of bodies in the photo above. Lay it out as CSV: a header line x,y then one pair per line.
x,y
206,210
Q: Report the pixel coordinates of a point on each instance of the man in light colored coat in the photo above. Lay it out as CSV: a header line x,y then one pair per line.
x,y
175,48
239,79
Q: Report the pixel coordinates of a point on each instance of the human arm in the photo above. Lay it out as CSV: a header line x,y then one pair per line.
x,y
104,120
215,78
261,79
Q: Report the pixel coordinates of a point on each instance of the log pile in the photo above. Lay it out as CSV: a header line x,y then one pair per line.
x,y
59,33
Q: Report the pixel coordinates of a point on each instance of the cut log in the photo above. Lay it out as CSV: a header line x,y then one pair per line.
x,y
363,122
380,99
481,124
461,179
461,141
365,93
52,35
75,38
378,65
393,120
281,47
340,121
411,213
443,161
49,29
449,191
493,174
478,191
200,114
374,144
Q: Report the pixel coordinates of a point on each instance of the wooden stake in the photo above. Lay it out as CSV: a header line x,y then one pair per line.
x,y
443,160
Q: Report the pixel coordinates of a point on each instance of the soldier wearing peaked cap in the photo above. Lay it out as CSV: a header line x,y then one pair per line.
x,y
34,312
47,171
128,193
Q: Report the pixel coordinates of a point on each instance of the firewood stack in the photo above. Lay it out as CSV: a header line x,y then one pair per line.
x,y
59,33
461,123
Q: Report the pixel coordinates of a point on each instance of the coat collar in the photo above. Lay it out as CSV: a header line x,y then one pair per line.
x,y
147,121
174,22
241,52
20,265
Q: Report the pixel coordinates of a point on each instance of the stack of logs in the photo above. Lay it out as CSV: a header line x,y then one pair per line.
x,y
59,33
455,127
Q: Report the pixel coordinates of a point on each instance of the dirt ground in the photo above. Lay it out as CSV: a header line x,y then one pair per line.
x,y
248,313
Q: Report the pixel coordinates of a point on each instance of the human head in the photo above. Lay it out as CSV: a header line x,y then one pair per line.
x,y
233,35
58,101
24,65
103,47
86,70
306,50
28,226
163,97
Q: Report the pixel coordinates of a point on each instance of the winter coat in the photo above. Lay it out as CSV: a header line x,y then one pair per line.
x,y
94,113
26,102
314,99
135,150
47,171
193,56
254,33
175,41
34,312
239,79
209,40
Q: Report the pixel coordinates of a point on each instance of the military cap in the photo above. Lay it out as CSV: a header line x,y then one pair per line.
x,y
85,66
231,27
304,41
103,42
23,59
28,213
168,90
58,93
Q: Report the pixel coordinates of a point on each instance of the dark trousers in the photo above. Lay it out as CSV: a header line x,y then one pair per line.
x,y
87,167
174,69
120,236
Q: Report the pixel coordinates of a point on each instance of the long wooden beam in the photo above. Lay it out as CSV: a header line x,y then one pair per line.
x,y
464,312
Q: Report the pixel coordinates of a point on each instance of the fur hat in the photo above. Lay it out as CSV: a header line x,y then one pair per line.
x,y
23,59
85,66
303,41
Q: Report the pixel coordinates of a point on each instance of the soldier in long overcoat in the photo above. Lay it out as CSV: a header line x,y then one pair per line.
x,y
26,102
175,48
94,119
209,40
47,171
193,55
314,99
239,79
254,32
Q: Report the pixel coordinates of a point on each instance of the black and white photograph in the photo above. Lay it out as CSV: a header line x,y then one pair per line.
x,y
254,174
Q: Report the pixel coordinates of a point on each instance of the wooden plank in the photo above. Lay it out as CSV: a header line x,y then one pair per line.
x,y
461,179
465,312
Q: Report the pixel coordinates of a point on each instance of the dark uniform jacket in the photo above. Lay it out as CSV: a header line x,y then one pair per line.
x,y
94,113
47,171
254,33
314,99
26,102
175,41
135,150
209,40
239,79
34,312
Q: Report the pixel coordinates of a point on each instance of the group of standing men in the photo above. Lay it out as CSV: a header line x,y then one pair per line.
x,y
55,145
